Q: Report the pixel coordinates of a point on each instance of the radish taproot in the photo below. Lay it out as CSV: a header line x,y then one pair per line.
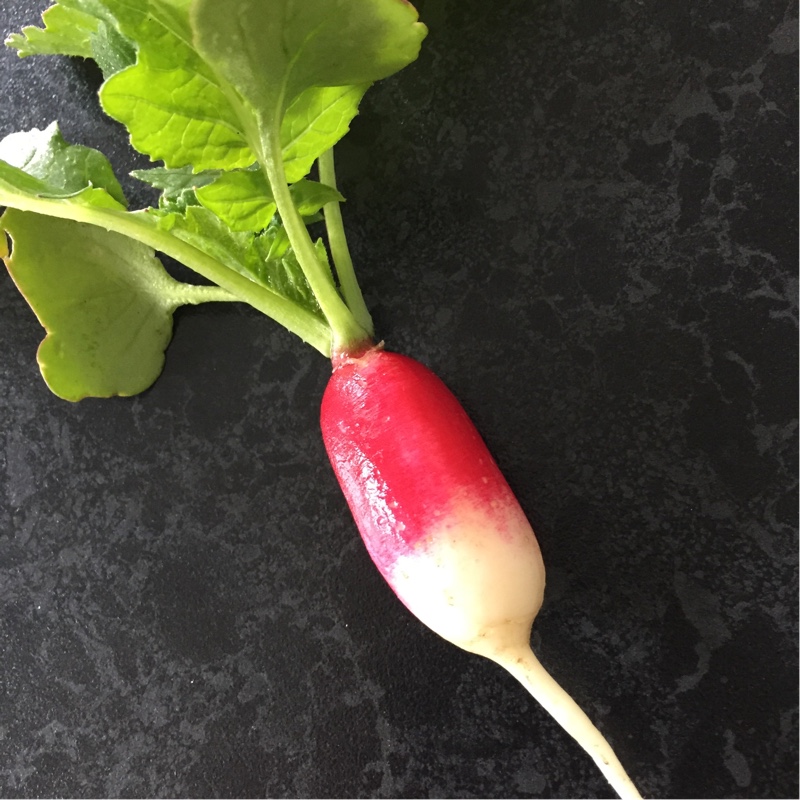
x,y
239,99
442,525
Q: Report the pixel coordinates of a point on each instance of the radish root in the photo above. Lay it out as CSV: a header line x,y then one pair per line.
x,y
528,670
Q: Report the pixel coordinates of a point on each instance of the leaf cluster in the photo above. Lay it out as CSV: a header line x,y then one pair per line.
x,y
234,101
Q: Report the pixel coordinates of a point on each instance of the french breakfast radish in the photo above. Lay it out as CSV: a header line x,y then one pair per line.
x,y
442,524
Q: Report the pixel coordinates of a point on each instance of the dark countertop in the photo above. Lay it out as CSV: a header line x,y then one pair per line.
x,y
583,216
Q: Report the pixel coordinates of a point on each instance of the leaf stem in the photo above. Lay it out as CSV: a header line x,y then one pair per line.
x,y
139,226
348,334
340,252
195,295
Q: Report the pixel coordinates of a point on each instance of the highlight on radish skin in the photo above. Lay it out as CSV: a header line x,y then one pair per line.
x,y
442,525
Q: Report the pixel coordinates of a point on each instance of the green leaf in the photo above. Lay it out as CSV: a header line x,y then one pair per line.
x,y
286,276
205,231
59,169
271,51
310,196
85,28
68,31
177,116
17,186
242,200
111,50
246,253
280,270
14,181
105,301
206,245
198,239
216,86
175,181
170,100
160,30
314,122
273,243
177,185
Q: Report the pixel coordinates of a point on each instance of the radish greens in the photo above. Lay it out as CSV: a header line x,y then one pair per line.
x,y
238,99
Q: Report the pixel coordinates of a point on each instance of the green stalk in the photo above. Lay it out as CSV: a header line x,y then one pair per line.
x,y
195,295
348,334
340,252
137,226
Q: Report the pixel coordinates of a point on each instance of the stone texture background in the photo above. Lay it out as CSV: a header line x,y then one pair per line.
x,y
582,214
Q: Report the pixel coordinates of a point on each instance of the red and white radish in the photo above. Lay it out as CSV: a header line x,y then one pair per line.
x,y
442,525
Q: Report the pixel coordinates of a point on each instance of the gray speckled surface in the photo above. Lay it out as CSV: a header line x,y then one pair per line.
x,y
583,216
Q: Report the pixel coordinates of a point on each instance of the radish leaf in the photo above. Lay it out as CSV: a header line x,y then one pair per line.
x,y
204,244
177,116
84,28
111,50
105,301
177,186
173,182
310,196
255,256
270,52
285,275
238,99
242,200
63,169
68,31
313,124
159,29
205,231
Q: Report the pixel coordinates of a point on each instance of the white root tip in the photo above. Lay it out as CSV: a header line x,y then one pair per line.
x,y
527,669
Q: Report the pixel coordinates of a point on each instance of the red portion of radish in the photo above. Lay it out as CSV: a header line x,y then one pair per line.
x,y
405,452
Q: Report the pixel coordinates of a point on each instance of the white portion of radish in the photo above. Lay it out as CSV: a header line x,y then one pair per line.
x,y
478,580
476,576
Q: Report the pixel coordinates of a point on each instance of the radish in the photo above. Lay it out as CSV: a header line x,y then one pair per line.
x,y
239,99
442,525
